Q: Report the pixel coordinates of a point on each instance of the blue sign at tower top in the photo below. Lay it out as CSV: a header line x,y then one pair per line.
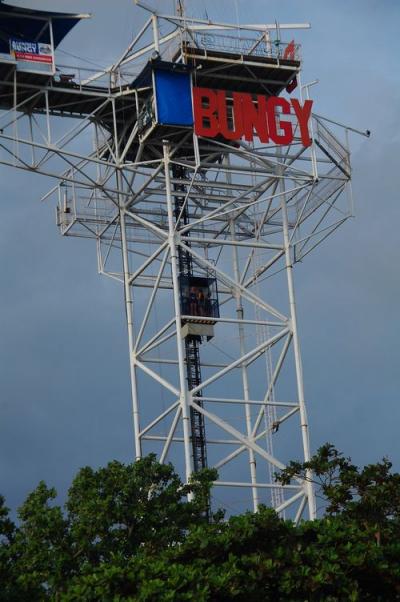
x,y
174,98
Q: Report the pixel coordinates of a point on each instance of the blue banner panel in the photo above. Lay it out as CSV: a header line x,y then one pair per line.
x,y
174,98
34,52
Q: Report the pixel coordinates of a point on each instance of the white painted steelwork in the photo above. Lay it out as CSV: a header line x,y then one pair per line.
x,y
254,212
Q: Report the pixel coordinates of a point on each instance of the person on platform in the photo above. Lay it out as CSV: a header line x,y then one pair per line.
x,y
193,301
201,302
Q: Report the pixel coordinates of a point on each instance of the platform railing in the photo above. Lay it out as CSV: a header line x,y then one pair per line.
x,y
77,76
260,47
334,146
6,57
72,75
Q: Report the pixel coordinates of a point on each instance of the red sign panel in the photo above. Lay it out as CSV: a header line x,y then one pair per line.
x,y
34,58
247,118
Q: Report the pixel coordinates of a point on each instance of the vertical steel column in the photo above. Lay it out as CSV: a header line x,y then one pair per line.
x,y
245,379
297,354
130,326
184,396
128,293
314,161
156,34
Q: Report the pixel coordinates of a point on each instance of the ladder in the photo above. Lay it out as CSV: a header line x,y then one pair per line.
x,y
192,343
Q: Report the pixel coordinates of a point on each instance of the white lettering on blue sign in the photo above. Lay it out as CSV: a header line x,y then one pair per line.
x,y
31,52
25,47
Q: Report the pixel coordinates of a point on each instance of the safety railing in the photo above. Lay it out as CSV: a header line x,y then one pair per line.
x,y
332,144
260,47
82,77
28,66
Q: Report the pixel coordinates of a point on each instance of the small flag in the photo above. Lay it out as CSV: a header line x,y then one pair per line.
x,y
290,52
292,85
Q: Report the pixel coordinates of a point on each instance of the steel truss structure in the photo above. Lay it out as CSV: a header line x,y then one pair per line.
x,y
251,212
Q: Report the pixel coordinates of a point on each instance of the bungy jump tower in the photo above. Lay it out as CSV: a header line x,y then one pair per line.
x,y
198,165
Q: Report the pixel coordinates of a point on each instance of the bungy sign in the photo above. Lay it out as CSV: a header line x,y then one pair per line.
x,y
33,52
262,118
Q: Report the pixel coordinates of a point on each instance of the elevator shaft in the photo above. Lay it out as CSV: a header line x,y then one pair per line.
x,y
192,342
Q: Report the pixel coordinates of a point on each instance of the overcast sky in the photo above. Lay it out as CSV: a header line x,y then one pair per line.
x,y
64,377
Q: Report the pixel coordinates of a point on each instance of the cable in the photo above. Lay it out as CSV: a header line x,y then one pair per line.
x,y
81,58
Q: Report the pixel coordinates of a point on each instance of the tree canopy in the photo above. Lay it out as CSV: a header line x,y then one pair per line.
x,y
127,532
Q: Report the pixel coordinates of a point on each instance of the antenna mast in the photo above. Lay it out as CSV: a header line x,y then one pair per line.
x,y
180,8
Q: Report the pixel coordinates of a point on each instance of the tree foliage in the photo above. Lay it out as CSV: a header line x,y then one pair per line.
x,y
129,533
369,496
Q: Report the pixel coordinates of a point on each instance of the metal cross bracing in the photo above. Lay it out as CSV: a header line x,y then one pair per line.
x,y
162,204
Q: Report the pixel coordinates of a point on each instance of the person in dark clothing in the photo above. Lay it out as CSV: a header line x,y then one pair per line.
x,y
193,300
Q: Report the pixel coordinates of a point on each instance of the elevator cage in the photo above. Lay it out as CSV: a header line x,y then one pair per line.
x,y
199,297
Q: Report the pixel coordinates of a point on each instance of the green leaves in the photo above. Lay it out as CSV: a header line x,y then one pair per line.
x,y
111,515
369,496
119,509
129,533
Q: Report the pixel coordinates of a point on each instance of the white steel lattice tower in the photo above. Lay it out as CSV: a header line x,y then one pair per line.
x,y
202,230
